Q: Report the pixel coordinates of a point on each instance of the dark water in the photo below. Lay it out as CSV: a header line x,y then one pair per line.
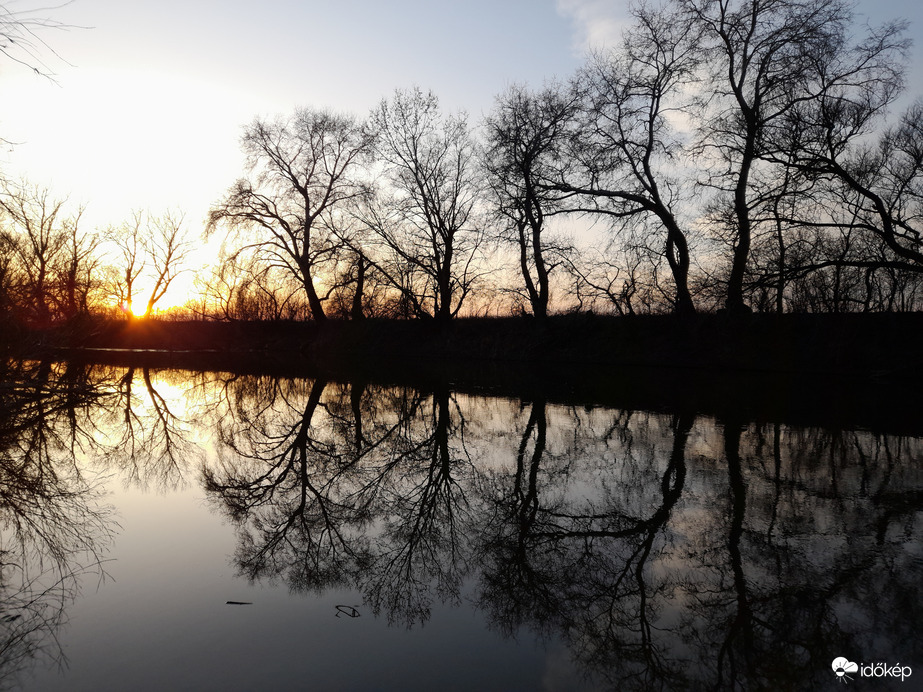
x,y
199,531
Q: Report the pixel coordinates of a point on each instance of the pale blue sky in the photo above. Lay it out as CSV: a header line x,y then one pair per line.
x,y
149,112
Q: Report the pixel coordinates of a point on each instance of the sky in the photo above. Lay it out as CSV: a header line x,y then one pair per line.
x,y
149,111
149,98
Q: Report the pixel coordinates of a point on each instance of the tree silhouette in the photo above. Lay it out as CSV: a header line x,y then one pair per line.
x,y
429,222
526,137
53,526
305,168
624,149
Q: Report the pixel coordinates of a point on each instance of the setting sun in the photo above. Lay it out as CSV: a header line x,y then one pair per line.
x,y
133,309
175,298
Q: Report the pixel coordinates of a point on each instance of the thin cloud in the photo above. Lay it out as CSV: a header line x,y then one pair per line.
x,y
597,23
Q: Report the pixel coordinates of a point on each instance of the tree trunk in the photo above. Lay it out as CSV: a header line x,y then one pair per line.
x,y
444,311
314,301
540,309
735,291
678,259
355,311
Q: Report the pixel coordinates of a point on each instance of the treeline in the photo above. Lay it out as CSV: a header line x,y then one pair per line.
x,y
52,269
727,155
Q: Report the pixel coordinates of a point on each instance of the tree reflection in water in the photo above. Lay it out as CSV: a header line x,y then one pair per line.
x,y
53,528
325,497
284,475
585,565
150,443
668,551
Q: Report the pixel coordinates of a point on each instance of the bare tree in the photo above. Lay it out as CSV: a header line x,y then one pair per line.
x,y
875,189
358,289
34,215
21,40
128,239
762,63
526,136
78,269
429,222
167,249
8,278
625,150
149,253
835,203
50,262
241,288
625,276
304,169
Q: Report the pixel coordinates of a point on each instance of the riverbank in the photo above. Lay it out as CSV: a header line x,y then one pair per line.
x,y
798,368
861,345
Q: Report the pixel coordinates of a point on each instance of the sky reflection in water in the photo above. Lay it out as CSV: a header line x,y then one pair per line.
x,y
485,543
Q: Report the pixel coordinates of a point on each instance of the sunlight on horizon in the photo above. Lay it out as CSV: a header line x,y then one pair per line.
x,y
180,293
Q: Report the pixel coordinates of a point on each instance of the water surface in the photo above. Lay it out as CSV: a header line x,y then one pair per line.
x,y
166,529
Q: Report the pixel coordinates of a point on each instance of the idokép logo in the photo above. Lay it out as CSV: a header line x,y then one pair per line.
x,y
844,669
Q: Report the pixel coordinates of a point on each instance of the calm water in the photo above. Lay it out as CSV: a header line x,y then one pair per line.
x,y
201,531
